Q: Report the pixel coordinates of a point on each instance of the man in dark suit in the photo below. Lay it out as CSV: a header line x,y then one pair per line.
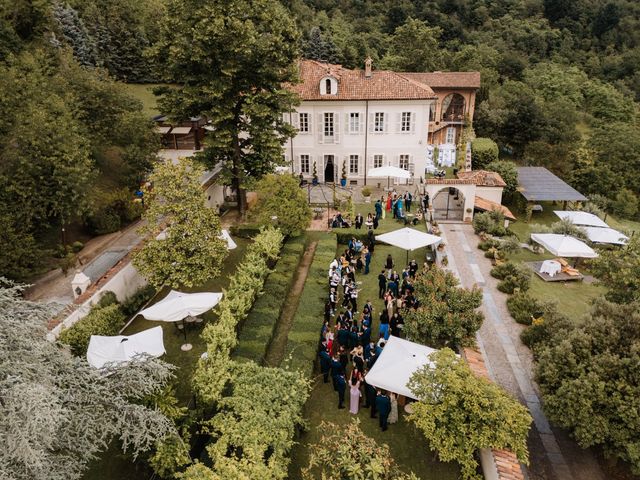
x,y
359,221
336,371
382,284
383,405
341,383
325,364
370,397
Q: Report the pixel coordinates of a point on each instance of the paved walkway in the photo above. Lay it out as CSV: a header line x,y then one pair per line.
x,y
553,455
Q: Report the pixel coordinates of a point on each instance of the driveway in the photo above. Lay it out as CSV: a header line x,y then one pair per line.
x,y
553,455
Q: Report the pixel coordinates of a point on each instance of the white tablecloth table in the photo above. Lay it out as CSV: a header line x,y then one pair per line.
x,y
550,267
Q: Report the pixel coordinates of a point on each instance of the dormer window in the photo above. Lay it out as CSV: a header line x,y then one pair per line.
x,y
328,86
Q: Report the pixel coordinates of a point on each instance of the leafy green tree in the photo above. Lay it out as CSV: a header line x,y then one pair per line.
x,y
586,370
233,69
21,255
192,251
57,412
460,413
617,146
280,196
625,204
509,173
348,454
619,271
414,47
447,315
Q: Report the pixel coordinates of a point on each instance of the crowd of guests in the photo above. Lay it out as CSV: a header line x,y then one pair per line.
x,y
396,204
349,347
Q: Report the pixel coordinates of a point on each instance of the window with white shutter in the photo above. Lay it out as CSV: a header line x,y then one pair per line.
x,y
354,122
379,122
305,164
303,123
354,164
403,162
405,122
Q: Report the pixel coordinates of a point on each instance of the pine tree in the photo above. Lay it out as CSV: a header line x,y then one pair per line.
x,y
321,47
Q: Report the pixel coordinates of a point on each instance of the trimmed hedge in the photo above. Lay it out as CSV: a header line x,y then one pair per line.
x,y
107,320
483,152
260,324
302,346
514,276
524,308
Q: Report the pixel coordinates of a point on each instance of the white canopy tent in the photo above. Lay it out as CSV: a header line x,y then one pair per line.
x,y
388,171
605,235
224,235
177,306
408,239
397,362
121,349
581,218
564,245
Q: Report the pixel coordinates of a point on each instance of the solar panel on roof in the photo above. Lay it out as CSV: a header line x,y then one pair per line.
x,y
539,184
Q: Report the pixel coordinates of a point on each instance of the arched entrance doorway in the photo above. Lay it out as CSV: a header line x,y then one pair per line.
x,y
329,169
448,204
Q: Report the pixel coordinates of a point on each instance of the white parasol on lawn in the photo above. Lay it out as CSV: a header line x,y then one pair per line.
x,y
564,245
388,171
122,349
581,218
177,306
408,239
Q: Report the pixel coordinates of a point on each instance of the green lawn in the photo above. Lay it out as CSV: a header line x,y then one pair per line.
x,y
408,447
143,92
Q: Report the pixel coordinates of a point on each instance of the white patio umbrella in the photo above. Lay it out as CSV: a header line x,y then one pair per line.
x,y
398,361
388,171
605,235
177,306
408,239
121,349
564,245
581,218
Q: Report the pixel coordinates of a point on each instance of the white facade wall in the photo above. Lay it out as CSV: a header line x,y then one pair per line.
x,y
493,194
391,143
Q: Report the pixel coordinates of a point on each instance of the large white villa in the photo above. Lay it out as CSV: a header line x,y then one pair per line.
x,y
361,119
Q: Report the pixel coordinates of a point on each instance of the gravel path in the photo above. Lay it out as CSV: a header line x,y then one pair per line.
x,y
553,455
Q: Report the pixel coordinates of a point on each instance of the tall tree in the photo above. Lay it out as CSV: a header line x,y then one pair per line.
x,y
231,60
192,251
460,413
414,48
320,46
619,271
56,411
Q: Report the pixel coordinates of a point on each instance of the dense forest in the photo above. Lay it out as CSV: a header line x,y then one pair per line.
x,y
560,81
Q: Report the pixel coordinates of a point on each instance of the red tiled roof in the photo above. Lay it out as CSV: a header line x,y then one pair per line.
x,y
483,178
353,85
487,205
450,181
447,79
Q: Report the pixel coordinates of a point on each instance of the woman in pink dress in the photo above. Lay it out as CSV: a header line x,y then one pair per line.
x,y
389,202
355,394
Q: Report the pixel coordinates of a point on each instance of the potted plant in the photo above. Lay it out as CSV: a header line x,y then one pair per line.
x,y
343,178
315,174
366,193
445,261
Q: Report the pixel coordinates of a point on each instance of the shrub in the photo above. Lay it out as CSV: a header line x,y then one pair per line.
x,y
77,246
490,222
139,298
514,277
625,204
110,210
488,244
100,321
289,205
108,298
483,152
509,173
524,308
366,192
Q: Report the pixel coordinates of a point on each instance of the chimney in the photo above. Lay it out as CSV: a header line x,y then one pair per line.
x,y
367,68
